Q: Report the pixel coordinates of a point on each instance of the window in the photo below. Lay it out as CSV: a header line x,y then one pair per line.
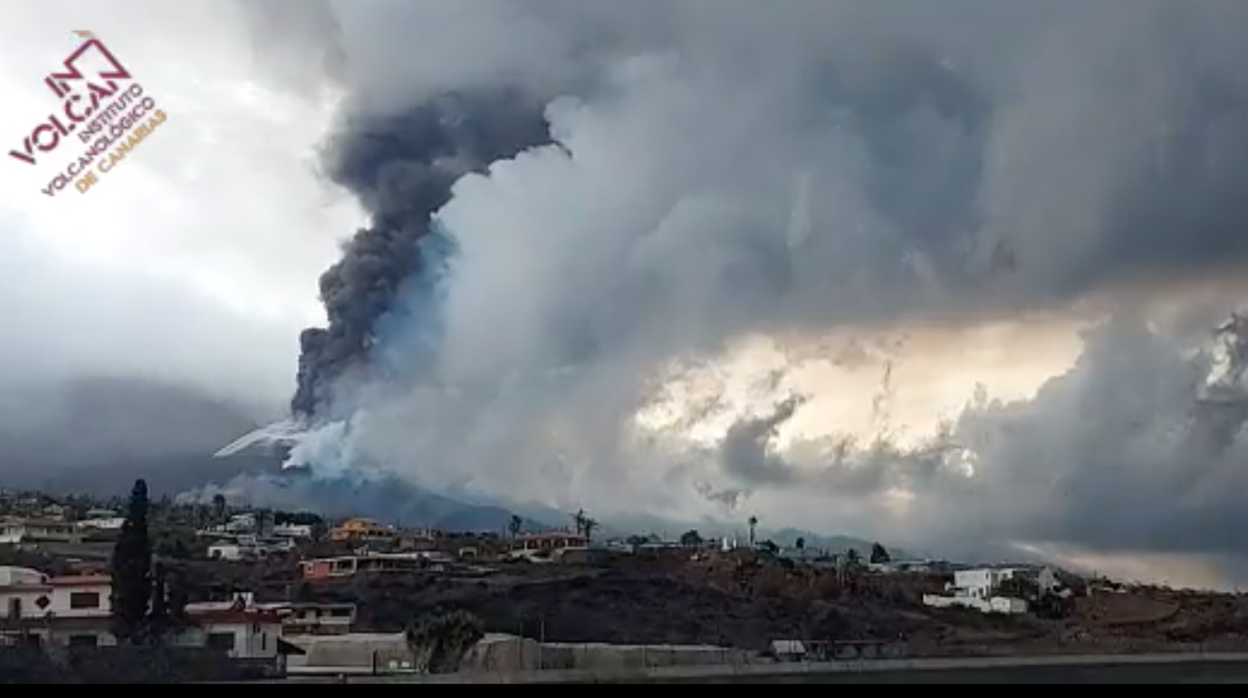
x,y
15,609
84,599
221,641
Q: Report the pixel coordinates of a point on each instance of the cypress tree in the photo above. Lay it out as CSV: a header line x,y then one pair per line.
x,y
158,621
132,569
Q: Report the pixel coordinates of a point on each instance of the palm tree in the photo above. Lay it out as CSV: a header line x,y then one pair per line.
x,y
580,519
441,639
800,544
515,525
753,529
589,527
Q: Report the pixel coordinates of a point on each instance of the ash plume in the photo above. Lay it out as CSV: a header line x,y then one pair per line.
x,y
401,167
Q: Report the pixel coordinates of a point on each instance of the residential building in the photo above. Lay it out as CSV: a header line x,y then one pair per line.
x,y
978,589
240,629
902,567
249,548
241,524
980,583
375,563
417,539
555,540
15,531
296,531
28,593
314,618
232,552
104,523
53,512
363,531
67,610
76,611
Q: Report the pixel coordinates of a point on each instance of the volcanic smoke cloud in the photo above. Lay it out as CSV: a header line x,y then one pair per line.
x,y
401,167
579,210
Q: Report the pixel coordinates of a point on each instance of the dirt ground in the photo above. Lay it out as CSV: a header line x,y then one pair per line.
x,y
747,603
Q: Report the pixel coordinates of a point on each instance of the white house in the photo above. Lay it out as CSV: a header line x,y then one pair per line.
x,y
76,611
15,531
68,610
232,552
241,523
901,567
298,531
54,512
239,628
103,523
977,589
249,548
980,583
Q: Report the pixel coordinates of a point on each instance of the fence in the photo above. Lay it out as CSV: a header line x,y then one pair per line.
x,y
507,654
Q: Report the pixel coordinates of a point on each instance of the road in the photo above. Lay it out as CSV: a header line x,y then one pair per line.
x,y
1165,673
1136,669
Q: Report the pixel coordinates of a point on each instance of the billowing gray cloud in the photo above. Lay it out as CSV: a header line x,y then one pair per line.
x,y
941,161
729,169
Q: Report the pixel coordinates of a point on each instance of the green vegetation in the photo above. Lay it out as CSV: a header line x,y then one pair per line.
x,y
148,601
132,569
441,638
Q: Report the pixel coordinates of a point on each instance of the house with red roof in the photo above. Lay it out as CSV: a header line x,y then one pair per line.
x,y
76,611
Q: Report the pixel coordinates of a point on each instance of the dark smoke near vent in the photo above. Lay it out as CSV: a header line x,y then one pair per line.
x,y
402,168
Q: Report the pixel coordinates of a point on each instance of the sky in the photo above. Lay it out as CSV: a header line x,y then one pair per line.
x,y
937,272
194,262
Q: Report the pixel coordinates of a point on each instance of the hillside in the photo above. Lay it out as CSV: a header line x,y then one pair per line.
x,y
97,435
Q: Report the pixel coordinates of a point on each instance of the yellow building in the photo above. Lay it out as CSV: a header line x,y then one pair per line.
x,y
362,530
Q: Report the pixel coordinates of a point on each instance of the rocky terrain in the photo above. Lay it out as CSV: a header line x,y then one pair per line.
x,y
748,603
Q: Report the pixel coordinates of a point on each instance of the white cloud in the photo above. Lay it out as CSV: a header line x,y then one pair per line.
x,y
195,258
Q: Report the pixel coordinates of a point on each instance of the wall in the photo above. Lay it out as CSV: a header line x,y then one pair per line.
x,y
355,653
505,653
250,641
995,604
102,636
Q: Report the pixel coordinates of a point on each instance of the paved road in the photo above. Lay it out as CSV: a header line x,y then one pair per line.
x,y
1139,669
1136,669
1192,673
